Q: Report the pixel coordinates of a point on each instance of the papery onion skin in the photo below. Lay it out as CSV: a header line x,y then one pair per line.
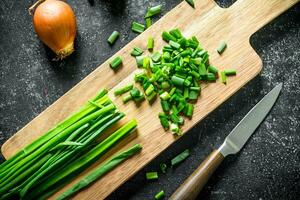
x,y
55,24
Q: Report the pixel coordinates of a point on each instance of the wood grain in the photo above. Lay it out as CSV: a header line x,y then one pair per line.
x,y
192,186
211,24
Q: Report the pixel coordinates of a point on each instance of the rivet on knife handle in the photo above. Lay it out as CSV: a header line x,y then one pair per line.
x,y
196,181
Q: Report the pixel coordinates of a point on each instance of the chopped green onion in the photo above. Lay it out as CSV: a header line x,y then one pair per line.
x,y
136,51
135,93
164,121
175,129
116,62
148,22
149,90
180,157
212,69
177,80
137,27
230,72
151,175
153,11
113,37
123,89
221,48
167,36
127,98
165,96
151,96
223,77
150,44
202,69
210,77
165,85
156,56
173,44
146,62
139,60
166,56
159,195
193,95
163,167
165,106
176,33
190,110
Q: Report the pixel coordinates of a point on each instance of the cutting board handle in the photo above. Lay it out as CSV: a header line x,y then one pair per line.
x,y
254,14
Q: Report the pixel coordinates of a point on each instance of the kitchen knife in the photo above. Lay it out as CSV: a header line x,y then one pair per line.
x,y
232,144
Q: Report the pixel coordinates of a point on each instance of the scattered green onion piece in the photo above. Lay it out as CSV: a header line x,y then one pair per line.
x,y
230,72
127,98
116,62
223,77
150,44
180,157
212,69
136,51
153,11
151,175
137,27
173,44
148,22
159,195
165,96
113,37
123,89
165,106
167,36
163,167
221,48
190,110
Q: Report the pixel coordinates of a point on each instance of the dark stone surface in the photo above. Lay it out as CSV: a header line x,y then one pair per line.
x,y
267,168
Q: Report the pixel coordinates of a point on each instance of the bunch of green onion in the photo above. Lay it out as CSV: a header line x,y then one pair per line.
x,y
45,165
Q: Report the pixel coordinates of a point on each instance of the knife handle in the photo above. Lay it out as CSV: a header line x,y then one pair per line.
x,y
193,185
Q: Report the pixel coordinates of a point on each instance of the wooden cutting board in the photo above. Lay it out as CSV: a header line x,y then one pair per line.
x,y
211,24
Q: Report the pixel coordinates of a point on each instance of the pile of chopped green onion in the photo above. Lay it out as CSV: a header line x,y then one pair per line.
x,y
42,167
175,75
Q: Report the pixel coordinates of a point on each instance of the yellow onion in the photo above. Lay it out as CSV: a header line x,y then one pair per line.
x,y
55,24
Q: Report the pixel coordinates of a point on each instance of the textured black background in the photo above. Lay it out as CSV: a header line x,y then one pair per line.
x,y
267,168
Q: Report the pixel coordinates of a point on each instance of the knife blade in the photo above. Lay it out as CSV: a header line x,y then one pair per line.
x,y
233,143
